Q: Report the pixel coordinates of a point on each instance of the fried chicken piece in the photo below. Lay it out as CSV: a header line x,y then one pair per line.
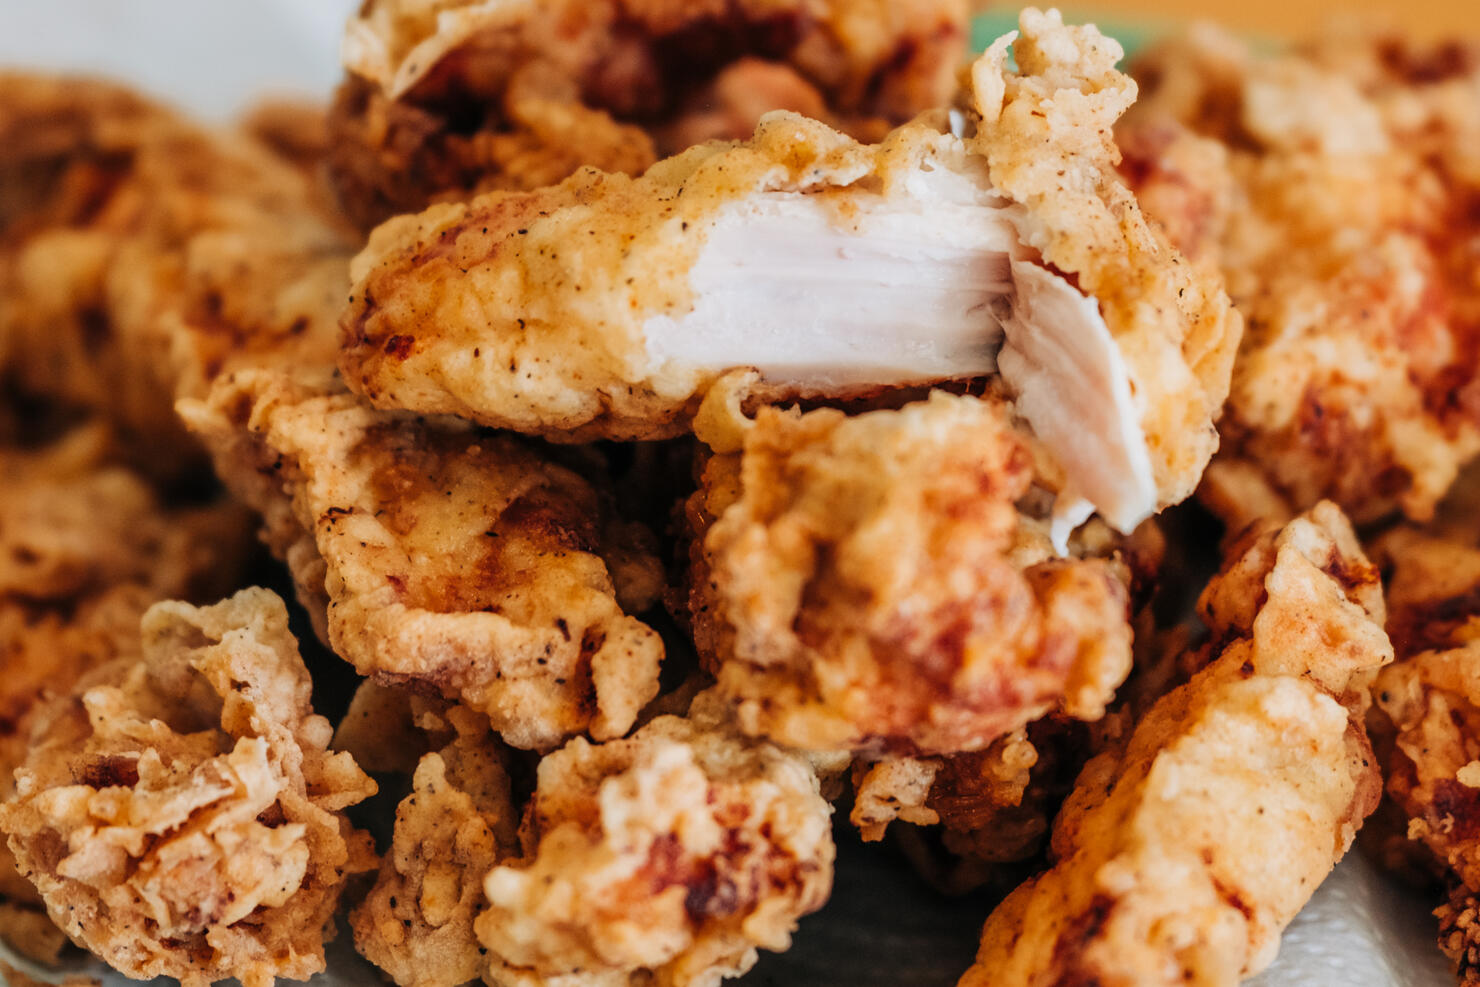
x,y
446,99
1348,243
438,554
608,306
1185,850
182,815
666,858
867,586
457,823
121,221
1430,701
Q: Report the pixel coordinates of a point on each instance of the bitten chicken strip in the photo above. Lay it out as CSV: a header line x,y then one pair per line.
x,y
458,822
869,584
1185,851
181,814
454,97
1345,218
669,857
1431,698
608,306
441,554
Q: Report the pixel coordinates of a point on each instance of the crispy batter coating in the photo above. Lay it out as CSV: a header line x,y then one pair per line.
x,y
866,588
1431,701
1348,242
447,99
1185,850
122,221
457,823
665,858
608,306
438,554
182,815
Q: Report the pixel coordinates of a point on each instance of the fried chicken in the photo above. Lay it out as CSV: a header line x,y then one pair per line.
x,y
437,554
868,586
181,814
1345,218
457,823
608,306
450,98
1431,703
666,858
1184,851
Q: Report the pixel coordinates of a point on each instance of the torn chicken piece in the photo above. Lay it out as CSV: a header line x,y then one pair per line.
x,y
433,553
1431,701
121,224
868,584
1348,243
666,858
181,814
447,99
1185,850
608,306
457,823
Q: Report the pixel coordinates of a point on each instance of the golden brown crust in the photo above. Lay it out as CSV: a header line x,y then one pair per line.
x,y
181,814
1348,246
445,101
439,555
860,591
1184,851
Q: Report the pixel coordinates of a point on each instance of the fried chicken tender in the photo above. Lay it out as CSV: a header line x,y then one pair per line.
x,y
457,823
608,306
666,858
452,97
1348,242
439,554
864,586
121,222
1431,701
182,815
1184,851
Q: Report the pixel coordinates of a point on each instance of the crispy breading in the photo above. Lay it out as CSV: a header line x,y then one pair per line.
x,y
1348,243
457,823
122,220
666,858
1185,850
181,813
609,306
439,554
455,97
1431,703
867,590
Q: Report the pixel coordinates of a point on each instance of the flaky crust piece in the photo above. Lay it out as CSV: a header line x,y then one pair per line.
x,y
1184,852
182,815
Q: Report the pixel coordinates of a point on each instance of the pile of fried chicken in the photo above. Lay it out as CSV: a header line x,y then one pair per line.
x,y
691,421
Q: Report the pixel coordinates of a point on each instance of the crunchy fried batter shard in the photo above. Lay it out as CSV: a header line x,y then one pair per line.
x,y
608,306
182,815
450,98
1348,242
439,554
1184,851
457,823
868,585
122,222
666,858
1431,699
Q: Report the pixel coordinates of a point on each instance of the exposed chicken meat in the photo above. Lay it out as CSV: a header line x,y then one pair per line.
x,y
446,99
1185,850
609,306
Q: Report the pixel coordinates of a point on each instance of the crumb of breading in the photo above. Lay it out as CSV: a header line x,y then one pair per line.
x,y
668,857
181,814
